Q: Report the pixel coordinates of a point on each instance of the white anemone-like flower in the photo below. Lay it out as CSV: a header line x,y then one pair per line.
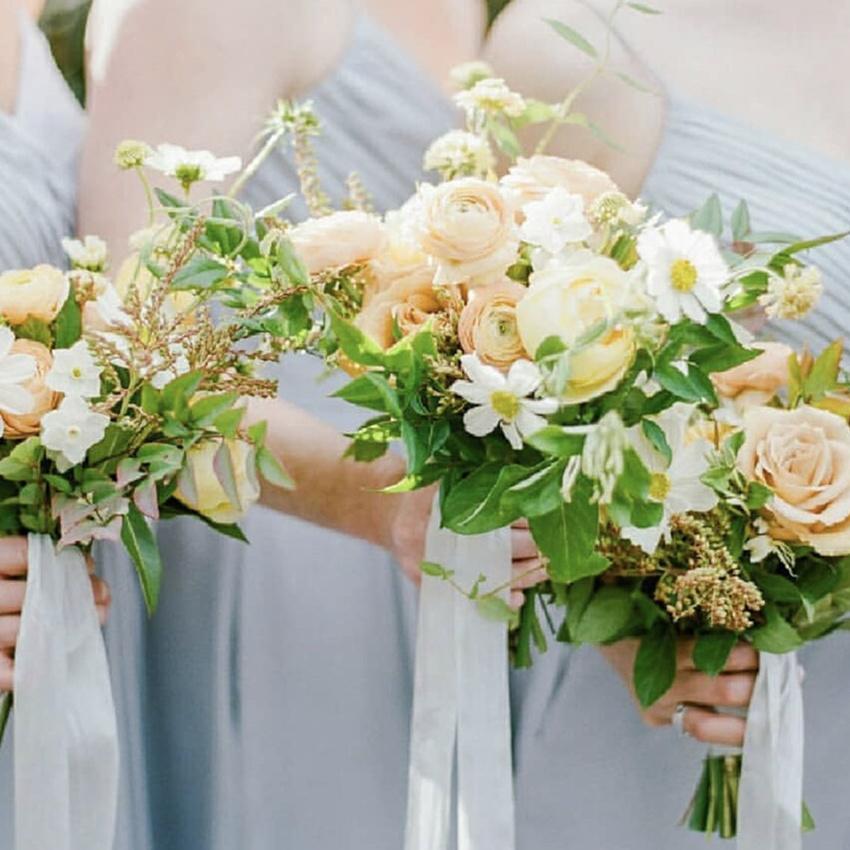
x,y
89,254
491,96
794,294
15,371
555,221
190,167
677,485
75,372
686,273
71,430
503,400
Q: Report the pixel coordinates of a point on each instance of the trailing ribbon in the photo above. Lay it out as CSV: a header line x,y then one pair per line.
x,y
66,737
770,798
461,698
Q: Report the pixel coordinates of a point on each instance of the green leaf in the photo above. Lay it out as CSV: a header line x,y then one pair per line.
x,y
139,540
711,651
709,217
68,327
227,423
37,331
273,470
473,505
567,536
607,615
175,394
200,273
777,634
741,222
656,436
505,138
642,7
429,568
655,664
678,383
356,345
758,495
291,265
495,608
553,440
205,410
824,374
573,37
635,84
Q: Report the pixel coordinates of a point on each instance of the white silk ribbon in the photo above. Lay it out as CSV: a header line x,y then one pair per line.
x,y
770,796
66,737
461,698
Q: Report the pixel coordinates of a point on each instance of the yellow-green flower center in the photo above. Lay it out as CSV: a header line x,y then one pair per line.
x,y
187,174
506,404
659,486
683,275
76,372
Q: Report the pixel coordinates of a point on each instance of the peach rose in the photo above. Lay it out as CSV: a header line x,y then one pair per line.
x,y
804,456
488,325
533,178
757,380
17,427
337,240
37,293
467,229
405,305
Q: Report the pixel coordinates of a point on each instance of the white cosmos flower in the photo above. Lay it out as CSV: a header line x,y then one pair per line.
x,y
686,273
75,372
676,485
15,370
503,400
71,430
89,254
192,166
555,221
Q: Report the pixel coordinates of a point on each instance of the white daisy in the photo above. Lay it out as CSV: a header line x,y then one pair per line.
x,y
71,430
503,399
190,167
555,221
677,485
15,371
75,372
686,273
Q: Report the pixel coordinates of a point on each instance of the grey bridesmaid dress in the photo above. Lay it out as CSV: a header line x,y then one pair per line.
x,y
589,773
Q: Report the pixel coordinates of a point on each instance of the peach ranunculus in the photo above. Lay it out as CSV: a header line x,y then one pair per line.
x,y
337,240
17,427
568,300
533,178
488,324
467,228
758,380
803,455
401,255
37,293
406,305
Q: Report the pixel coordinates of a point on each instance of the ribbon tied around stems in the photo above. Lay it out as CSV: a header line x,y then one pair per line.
x,y
66,737
461,701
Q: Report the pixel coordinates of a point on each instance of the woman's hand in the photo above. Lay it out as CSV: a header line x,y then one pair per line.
x,y
409,524
699,693
13,571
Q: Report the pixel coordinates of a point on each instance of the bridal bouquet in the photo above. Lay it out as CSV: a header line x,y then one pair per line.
x,y
122,401
544,348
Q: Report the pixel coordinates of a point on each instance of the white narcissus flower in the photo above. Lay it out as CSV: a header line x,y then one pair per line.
x,y
75,372
556,221
190,167
15,371
89,254
71,430
503,400
686,272
676,485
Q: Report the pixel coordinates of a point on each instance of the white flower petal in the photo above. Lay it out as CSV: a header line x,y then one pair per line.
x,y
647,538
523,378
480,373
473,393
480,421
527,422
512,435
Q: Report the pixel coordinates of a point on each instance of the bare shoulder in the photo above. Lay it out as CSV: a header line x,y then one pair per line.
x,y
9,55
535,60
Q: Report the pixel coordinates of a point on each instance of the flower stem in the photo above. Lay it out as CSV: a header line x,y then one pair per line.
x,y
254,165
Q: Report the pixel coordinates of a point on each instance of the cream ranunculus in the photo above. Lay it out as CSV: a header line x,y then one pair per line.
x,y
467,228
337,240
488,324
533,178
804,456
37,293
201,490
43,398
567,300
758,380
406,305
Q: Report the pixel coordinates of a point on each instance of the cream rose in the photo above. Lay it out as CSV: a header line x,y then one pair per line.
x,y
567,300
759,379
37,293
533,178
44,400
804,456
201,490
488,324
405,305
337,240
467,229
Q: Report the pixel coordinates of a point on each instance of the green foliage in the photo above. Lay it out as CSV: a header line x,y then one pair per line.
x,y
655,664
140,542
711,651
